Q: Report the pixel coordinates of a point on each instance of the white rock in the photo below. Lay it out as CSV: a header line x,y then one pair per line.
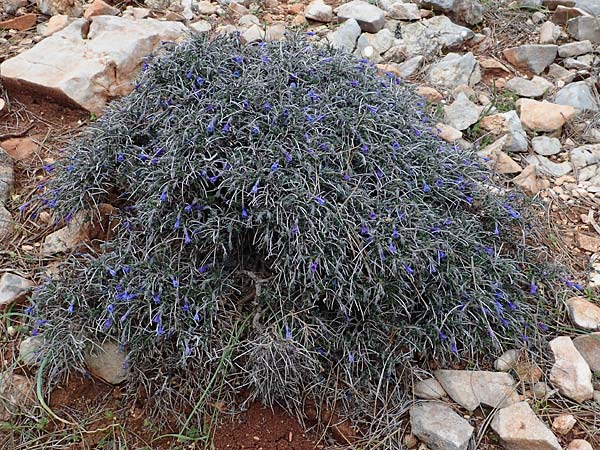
x,y
7,177
428,36
56,23
588,345
439,427
201,26
575,49
549,33
428,389
66,238
564,423
543,116
584,28
550,168
29,349
507,361
108,363
454,70
583,313
370,18
536,87
570,373
579,444
100,67
12,287
462,113
404,11
16,392
507,124
345,36
7,224
73,8
520,429
317,10
578,95
472,388
545,145
534,58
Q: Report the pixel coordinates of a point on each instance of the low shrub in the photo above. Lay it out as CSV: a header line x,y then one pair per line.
x,y
289,229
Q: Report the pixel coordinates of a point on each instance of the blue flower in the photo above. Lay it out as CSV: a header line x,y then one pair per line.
x,y
156,298
532,288
288,156
426,187
295,229
177,223
351,358
255,129
288,333
227,126
110,308
267,106
163,196
408,269
392,248
203,268
364,229
320,201
313,267
274,166
364,148
186,237
244,213
372,215
107,324
175,282
199,81
70,308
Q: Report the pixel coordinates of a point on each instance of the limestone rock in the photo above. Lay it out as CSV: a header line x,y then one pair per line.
x,y
16,392
12,287
564,423
468,11
545,145
507,124
7,177
562,14
100,67
590,6
447,133
497,160
73,8
100,8
430,94
507,361
108,363
575,49
550,168
583,313
462,113
56,23
345,37
472,388
520,429
543,116
429,389
201,26
439,427
588,243
549,33
584,28
588,345
428,36
67,238
454,70
578,95
579,444
528,180
585,155
29,349
404,11
7,223
370,18
19,23
536,87
533,58
317,10
372,46
570,373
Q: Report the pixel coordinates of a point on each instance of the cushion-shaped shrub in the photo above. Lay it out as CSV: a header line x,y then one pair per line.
x,y
289,228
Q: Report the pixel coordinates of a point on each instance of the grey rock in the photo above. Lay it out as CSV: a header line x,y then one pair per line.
x,y
7,224
345,36
583,62
549,33
462,113
439,427
542,389
534,58
588,345
562,14
409,67
536,87
507,361
73,8
7,177
17,393
253,34
379,43
519,429
12,287
428,36
575,49
559,73
66,238
584,28
201,26
438,5
472,388
508,124
108,363
454,70
579,95
247,20
429,389
317,10
570,373
404,11
10,6
546,145
550,168
590,6
29,349
370,18
468,11
585,155
530,4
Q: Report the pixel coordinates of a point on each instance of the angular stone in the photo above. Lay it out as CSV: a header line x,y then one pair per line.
x,y
472,388
345,36
585,155
19,23
578,95
12,287
468,11
101,67
7,177
100,8
71,8
439,427
564,423
543,116
579,444
404,11
562,14
54,24
29,349
428,389
497,160
584,28
430,94
66,238
439,32
519,429
550,168
528,179
549,33
7,224
454,70
590,6
507,361
536,87
108,363
533,58
379,43
570,373
318,11
507,124
588,345
584,313
462,113
545,145
447,133
16,392
201,26
575,49
370,18
588,243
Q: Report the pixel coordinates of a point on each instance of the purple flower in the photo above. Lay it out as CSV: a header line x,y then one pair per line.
x,y
156,298
203,268
274,166
364,148
372,215
295,229
288,333
313,267
163,196
320,201
408,269
496,230
288,156
426,187
186,237
70,308
187,351
175,282
177,223
351,358
199,81
532,288
255,129
107,324
110,308
227,127
364,229
392,248
395,234
267,106
244,213
112,272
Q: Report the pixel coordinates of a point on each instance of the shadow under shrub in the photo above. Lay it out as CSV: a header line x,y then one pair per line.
x,y
290,229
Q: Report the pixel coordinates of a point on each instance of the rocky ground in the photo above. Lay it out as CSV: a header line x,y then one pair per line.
x,y
516,81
